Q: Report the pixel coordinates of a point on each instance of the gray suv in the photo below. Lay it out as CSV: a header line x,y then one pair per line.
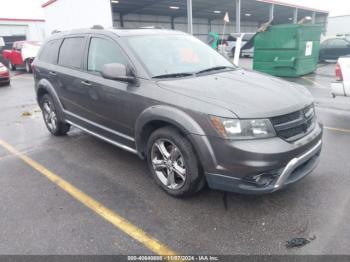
x,y
177,103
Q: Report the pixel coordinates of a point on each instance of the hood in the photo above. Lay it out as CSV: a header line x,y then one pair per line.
x,y
245,93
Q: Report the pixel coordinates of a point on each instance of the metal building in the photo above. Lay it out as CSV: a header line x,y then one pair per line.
x,y
194,16
338,25
26,29
14,29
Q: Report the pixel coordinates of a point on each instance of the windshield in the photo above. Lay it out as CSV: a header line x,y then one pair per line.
x,y
175,54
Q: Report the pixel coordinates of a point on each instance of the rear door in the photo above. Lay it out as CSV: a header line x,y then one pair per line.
x,y
68,71
45,64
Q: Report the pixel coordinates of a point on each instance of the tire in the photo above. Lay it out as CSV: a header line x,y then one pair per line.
x,y
178,158
53,122
321,59
28,66
12,67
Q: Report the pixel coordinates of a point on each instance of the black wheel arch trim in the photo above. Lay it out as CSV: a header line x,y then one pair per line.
x,y
44,85
184,122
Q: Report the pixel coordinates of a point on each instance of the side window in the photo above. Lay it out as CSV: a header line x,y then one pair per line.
x,y
102,51
339,43
325,43
50,51
71,52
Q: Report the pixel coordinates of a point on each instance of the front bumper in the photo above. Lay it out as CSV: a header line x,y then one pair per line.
x,y
296,169
4,80
239,165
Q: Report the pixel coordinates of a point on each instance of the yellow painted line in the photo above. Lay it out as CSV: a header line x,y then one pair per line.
x,y
337,129
313,82
121,223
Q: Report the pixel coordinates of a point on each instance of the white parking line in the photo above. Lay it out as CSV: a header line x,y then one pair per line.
x,y
337,129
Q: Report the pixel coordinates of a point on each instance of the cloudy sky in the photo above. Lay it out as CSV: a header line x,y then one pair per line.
x,y
32,8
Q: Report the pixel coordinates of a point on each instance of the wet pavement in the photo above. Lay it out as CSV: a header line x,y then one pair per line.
x,y
37,217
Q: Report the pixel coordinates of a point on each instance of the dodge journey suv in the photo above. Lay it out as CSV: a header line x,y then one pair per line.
x,y
177,103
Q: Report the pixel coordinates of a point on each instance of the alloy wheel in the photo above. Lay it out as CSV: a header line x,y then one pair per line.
x,y
168,164
49,115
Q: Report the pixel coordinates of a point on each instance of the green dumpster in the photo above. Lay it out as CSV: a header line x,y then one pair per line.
x,y
213,40
289,50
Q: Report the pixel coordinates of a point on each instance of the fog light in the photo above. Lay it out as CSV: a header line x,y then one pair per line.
x,y
262,180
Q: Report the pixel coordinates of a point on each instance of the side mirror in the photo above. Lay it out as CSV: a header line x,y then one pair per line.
x,y
116,71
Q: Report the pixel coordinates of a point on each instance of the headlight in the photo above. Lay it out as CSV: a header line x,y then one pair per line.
x,y
3,69
243,129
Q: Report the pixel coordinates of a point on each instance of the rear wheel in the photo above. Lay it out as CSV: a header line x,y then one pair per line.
x,y
28,66
173,163
54,124
12,67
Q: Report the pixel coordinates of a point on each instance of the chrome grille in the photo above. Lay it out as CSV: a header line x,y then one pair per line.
x,y
296,125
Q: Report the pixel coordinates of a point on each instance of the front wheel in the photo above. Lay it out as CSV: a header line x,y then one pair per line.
x,y
53,122
12,67
173,163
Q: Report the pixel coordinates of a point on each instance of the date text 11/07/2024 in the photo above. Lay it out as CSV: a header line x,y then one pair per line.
x,y
173,258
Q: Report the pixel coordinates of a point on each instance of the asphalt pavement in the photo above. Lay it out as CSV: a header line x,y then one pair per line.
x,y
59,216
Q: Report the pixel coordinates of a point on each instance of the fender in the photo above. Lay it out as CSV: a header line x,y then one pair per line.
x,y
185,123
46,87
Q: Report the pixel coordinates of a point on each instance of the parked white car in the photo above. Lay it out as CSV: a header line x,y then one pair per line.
x,y
248,52
232,40
342,72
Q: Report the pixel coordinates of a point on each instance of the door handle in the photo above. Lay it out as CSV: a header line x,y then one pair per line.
x,y
52,73
86,83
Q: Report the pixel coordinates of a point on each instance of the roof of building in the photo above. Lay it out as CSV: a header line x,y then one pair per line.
x,y
21,20
251,10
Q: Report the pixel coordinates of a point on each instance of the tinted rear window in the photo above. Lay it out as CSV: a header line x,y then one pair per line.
x,y
71,52
341,43
50,51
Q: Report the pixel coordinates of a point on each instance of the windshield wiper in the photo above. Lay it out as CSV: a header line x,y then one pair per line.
x,y
215,68
173,75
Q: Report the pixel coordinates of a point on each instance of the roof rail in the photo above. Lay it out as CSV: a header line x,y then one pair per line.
x,y
97,27
152,27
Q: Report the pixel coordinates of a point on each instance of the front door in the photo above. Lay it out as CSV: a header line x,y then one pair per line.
x,y
109,101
